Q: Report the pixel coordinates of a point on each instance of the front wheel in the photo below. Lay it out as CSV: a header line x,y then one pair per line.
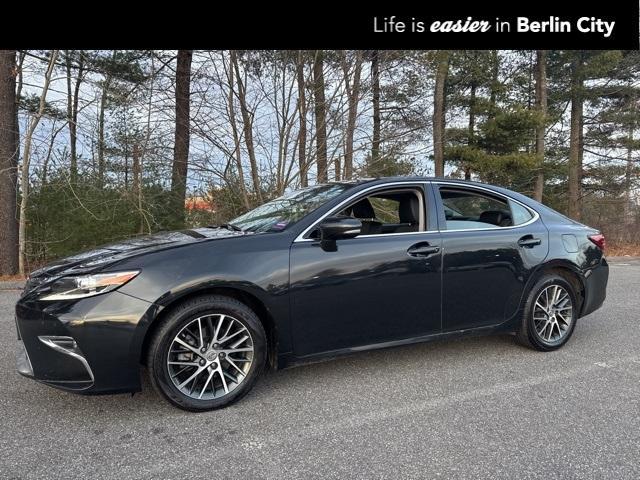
x,y
550,314
207,354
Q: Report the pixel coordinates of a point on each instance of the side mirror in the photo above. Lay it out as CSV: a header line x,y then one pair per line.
x,y
336,228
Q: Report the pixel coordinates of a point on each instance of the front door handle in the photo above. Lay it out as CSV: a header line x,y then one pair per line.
x,y
422,249
529,241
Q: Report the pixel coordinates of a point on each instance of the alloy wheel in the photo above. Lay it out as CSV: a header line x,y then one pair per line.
x,y
553,314
210,356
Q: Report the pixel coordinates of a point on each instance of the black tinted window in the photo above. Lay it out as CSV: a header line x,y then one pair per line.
x,y
389,211
472,209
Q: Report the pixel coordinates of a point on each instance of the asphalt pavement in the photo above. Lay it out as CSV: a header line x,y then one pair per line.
x,y
471,408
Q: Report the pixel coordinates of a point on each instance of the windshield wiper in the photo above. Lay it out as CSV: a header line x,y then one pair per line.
x,y
228,226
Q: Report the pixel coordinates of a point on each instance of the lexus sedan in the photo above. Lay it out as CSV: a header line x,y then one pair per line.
x,y
323,271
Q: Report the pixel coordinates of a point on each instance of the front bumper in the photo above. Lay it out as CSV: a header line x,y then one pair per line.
x,y
59,361
88,346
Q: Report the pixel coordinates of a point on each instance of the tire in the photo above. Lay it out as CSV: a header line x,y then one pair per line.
x,y
176,353
534,320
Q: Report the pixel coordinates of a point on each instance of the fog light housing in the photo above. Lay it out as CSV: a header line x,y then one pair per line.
x,y
68,346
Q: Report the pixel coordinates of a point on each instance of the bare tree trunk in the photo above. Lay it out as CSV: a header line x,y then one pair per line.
x,y
8,163
286,117
137,183
493,94
104,98
73,131
375,90
353,97
144,150
52,142
628,218
439,111
73,94
628,174
126,161
236,139
73,169
575,140
247,126
181,144
320,113
302,112
21,56
24,175
541,106
472,125
101,143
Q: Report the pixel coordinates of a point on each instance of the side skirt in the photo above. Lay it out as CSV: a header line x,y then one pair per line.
x,y
289,360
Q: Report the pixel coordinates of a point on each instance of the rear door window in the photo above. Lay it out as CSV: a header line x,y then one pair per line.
x,y
469,209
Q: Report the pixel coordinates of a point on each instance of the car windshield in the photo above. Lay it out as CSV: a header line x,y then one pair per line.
x,y
281,213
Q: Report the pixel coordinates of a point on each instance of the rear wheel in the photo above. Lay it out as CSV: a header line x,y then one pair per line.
x,y
207,354
550,314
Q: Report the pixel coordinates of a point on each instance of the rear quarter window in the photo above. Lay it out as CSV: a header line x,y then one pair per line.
x,y
519,213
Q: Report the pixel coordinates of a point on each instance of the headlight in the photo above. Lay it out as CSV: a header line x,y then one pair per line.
x,y
68,288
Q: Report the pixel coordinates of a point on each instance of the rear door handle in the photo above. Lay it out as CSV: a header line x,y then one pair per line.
x,y
422,249
529,241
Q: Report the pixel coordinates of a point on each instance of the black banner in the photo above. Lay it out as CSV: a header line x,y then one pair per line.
x,y
307,25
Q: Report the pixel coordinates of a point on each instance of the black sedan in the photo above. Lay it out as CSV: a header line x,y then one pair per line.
x,y
323,271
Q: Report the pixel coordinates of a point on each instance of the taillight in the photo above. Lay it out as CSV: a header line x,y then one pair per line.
x,y
599,240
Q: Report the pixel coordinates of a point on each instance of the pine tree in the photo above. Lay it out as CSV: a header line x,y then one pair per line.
x,y
496,143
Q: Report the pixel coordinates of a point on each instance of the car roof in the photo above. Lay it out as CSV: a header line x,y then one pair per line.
x,y
414,178
453,181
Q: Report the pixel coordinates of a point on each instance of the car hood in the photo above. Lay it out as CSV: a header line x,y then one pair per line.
x,y
101,257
